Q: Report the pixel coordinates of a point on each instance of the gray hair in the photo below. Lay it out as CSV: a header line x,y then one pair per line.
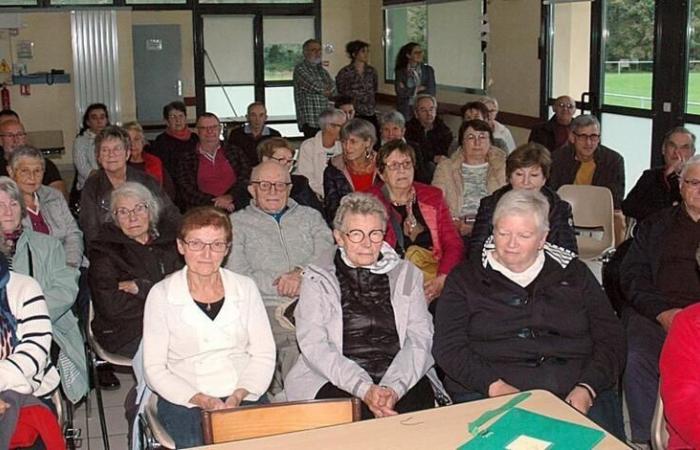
x,y
420,97
584,120
522,202
678,130
26,151
140,192
394,117
8,186
325,118
486,100
360,128
359,203
692,161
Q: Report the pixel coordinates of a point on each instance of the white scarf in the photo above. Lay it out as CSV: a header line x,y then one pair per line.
x,y
523,278
386,264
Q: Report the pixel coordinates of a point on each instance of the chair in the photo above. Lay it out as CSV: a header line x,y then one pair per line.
x,y
245,422
592,208
64,413
153,435
98,356
659,434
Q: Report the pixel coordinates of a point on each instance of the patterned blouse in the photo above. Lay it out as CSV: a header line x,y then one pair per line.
x,y
361,88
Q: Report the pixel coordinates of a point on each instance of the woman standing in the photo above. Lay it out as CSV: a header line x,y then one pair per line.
x,y
95,119
411,77
358,80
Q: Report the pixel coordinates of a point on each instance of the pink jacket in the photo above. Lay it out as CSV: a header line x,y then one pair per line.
x,y
448,247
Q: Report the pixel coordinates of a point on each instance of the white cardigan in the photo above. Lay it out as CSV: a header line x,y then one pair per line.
x,y
28,369
312,160
185,352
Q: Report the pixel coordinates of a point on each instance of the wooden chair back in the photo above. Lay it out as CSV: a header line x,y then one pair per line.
x,y
246,422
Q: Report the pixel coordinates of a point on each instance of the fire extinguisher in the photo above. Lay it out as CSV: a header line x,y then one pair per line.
x,y
5,93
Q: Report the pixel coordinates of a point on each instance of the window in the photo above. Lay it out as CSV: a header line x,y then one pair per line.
x,y
256,1
571,38
155,2
693,97
450,33
81,2
18,2
283,38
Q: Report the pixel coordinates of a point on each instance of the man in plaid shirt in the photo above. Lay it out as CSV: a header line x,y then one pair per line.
x,y
313,86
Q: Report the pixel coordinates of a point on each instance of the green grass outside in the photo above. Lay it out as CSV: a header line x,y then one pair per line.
x,y
638,84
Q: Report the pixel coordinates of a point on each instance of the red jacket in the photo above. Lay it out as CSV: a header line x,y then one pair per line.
x,y
680,379
448,247
154,167
37,421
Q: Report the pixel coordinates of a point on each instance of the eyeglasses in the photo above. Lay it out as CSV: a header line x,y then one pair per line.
x,y
336,125
587,137
284,161
480,137
114,150
357,236
405,165
35,173
123,213
21,134
267,185
210,128
693,183
11,205
177,116
216,246
566,105
426,110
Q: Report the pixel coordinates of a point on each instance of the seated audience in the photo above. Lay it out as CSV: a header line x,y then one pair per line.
x,y
46,208
475,170
95,119
177,139
554,133
479,111
274,239
658,188
132,253
586,161
659,277
345,104
279,150
42,257
112,148
354,170
428,131
393,127
27,376
412,78
362,322
358,81
12,137
248,136
419,224
212,174
315,152
500,131
527,168
680,380
206,338
527,315
146,162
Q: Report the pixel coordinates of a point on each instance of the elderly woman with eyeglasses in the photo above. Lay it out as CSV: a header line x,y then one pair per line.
x,y
362,323
207,342
420,225
475,170
141,159
279,150
133,252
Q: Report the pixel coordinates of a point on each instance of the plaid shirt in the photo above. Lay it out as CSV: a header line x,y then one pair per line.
x,y
361,88
310,82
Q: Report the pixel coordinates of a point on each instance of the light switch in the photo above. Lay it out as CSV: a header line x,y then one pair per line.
x,y
667,106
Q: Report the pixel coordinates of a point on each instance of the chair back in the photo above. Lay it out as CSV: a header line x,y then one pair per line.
x,y
153,433
659,433
592,208
111,358
245,422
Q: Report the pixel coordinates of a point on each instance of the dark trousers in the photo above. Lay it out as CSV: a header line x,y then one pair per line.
x,y
418,398
606,411
184,425
309,131
641,379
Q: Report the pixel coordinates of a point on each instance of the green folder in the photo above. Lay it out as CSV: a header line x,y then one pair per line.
x,y
519,422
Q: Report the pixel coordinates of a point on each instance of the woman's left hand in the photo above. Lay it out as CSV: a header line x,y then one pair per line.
x,y
580,399
433,288
129,287
236,398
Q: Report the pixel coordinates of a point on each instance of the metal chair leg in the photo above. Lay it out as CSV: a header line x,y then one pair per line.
x,y
100,405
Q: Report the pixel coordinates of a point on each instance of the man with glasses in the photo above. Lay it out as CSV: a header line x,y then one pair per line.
x,y
554,133
659,277
212,174
12,137
274,239
313,87
428,131
247,136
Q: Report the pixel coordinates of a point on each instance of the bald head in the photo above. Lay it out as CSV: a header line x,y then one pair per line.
x,y
270,186
12,136
564,109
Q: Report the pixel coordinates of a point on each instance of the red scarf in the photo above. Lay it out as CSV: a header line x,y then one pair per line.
x,y
183,135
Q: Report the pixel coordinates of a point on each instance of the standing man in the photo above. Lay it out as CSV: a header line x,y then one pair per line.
x,y
248,136
313,86
554,133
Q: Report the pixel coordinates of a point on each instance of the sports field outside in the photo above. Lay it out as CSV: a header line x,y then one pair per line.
x,y
633,89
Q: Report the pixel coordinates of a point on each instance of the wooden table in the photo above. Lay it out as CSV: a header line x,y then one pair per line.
x,y
439,428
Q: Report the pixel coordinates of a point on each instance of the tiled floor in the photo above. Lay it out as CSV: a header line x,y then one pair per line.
x,y
114,415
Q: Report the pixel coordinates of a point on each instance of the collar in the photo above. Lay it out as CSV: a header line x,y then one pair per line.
x,y
560,255
388,261
248,130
